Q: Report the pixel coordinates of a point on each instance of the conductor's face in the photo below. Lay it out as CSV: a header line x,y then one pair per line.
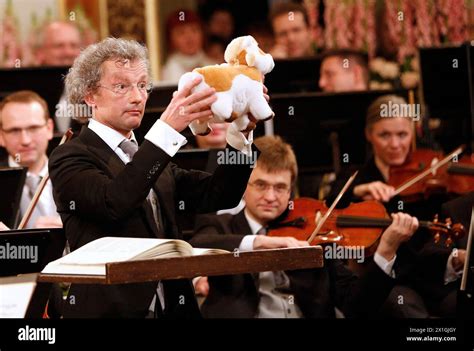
x,y
120,97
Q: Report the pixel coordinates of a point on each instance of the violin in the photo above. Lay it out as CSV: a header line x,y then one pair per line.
x,y
416,162
350,226
461,175
422,174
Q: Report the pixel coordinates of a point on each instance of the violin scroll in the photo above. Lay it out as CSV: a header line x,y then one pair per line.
x,y
447,229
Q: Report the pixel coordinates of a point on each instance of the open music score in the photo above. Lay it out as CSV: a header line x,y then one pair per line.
x,y
192,266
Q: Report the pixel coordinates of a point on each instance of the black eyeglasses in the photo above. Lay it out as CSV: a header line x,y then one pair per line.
x,y
123,89
31,130
279,188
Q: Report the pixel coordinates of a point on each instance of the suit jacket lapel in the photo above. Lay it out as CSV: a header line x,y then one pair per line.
x,y
114,166
164,190
240,225
99,148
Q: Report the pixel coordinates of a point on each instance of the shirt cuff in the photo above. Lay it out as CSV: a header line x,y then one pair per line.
x,y
238,141
386,266
247,243
165,137
450,275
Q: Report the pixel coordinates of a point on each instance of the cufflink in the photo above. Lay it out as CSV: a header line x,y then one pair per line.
x,y
175,143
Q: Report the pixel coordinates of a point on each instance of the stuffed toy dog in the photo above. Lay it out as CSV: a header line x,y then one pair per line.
x,y
238,84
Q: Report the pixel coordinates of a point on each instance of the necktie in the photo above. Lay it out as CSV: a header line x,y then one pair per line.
x,y
32,182
274,290
130,147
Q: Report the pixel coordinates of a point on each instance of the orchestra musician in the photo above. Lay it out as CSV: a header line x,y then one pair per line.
x,y
424,265
391,138
343,70
25,131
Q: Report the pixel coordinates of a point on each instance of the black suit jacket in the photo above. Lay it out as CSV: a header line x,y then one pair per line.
x,y
316,291
459,210
98,195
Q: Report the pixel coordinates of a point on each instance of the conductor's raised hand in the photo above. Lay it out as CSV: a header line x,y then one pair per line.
x,y
186,107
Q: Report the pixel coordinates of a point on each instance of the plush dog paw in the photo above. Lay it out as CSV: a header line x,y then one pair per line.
x,y
232,118
208,130
251,126
268,118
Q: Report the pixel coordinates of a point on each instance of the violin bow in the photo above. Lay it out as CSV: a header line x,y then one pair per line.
x,y
468,253
333,205
426,172
41,186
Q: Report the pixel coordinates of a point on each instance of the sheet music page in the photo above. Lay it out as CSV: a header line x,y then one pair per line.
x,y
15,295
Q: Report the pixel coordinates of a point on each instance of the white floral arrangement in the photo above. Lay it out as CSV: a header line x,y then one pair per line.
x,y
386,75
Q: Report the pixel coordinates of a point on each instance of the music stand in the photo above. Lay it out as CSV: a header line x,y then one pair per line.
x,y
11,187
161,96
200,159
48,82
307,120
34,248
447,78
295,75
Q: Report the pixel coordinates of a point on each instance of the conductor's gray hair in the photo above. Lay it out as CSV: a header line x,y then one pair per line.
x,y
86,71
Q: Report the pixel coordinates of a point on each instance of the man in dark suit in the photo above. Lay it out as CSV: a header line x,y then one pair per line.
x,y
25,131
442,295
301,293
105,185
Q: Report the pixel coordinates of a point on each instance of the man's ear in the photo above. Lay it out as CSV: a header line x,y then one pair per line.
x,y
89,100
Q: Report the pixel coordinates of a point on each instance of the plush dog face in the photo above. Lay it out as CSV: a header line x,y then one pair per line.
x,y
245,51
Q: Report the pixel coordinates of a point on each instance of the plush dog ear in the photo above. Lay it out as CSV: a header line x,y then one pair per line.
x,y
250,57
233,49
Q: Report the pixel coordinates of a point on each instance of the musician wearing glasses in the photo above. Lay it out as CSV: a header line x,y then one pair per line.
x,y
107,185
25,131
294,294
